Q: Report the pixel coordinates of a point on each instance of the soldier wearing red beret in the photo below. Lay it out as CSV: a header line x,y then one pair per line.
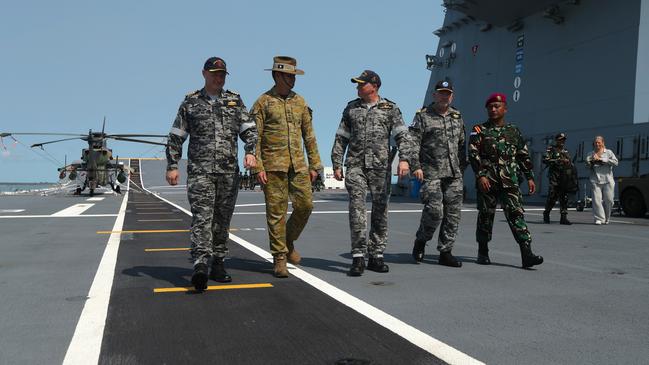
x,y
497,153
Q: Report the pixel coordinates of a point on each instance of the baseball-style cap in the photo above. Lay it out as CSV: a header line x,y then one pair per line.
x,y
560,136
285,64
368,76
444,85
496,97
214,64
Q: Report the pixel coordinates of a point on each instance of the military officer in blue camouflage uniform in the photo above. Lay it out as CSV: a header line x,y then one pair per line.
x,y
212,118
439,138
497,152
367,126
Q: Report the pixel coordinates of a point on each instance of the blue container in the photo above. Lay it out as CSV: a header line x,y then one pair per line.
x,y
414,188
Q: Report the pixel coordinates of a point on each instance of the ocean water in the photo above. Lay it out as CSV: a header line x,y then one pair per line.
x,y
25,187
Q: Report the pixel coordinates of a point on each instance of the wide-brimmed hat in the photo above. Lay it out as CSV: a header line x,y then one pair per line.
x,y
285,64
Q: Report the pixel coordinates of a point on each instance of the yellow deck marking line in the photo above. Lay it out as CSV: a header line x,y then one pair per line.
x,y
166,249
146,231
214,287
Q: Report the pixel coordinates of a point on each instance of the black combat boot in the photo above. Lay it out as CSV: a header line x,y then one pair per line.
x,y
358,266
528,258
199,277
564,219
447,259
483,254
418,251
377,264
546,217
218,272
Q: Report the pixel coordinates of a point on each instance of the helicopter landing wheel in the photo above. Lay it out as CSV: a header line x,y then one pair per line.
x,y
92,192
118,190
77,192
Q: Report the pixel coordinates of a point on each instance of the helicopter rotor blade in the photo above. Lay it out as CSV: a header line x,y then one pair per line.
x,y
103,126
137,141
7,134
55,141
137,135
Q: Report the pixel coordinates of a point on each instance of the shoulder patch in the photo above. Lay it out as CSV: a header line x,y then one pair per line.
x,y
232,103
477,128
422,110
455,115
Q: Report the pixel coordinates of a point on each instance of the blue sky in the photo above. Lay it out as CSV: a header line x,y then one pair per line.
x,y
67,64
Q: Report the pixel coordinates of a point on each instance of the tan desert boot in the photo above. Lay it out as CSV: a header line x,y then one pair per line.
x,y
279,269
293,256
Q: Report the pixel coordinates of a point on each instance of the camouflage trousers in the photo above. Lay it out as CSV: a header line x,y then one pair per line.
x,y
512,204
357,182
280,187
556,192
211,198
442,200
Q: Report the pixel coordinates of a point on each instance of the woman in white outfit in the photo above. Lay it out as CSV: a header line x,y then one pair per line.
x,y
601,162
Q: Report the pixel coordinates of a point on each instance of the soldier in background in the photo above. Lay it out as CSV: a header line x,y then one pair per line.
x,y
497,152
284,121
439,138
562,177
365,130
212,117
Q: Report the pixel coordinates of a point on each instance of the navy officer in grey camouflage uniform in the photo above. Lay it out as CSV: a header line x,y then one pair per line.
x,y
368,124
439,138
212,118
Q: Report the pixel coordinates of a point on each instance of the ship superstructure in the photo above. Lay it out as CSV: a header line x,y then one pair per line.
x,y
578,67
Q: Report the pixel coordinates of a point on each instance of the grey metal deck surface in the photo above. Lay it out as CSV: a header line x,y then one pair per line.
x,y
586,304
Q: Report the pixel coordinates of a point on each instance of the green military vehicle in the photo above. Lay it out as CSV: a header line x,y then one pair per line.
x,y
634,195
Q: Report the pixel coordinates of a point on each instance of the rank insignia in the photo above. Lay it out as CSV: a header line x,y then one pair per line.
x,y
232,103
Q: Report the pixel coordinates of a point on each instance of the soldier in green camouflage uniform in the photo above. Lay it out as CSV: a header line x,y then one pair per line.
x,y
560,167
284,123
497,153
439,137
368,123
212,118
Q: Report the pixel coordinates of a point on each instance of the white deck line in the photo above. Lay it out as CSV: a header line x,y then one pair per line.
x,y
57,216
95,199
85,345
422,340
76,209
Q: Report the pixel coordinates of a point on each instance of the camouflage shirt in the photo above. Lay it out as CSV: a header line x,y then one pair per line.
x,y
558,162
368,133
212,127
499,153
440,143
283,124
